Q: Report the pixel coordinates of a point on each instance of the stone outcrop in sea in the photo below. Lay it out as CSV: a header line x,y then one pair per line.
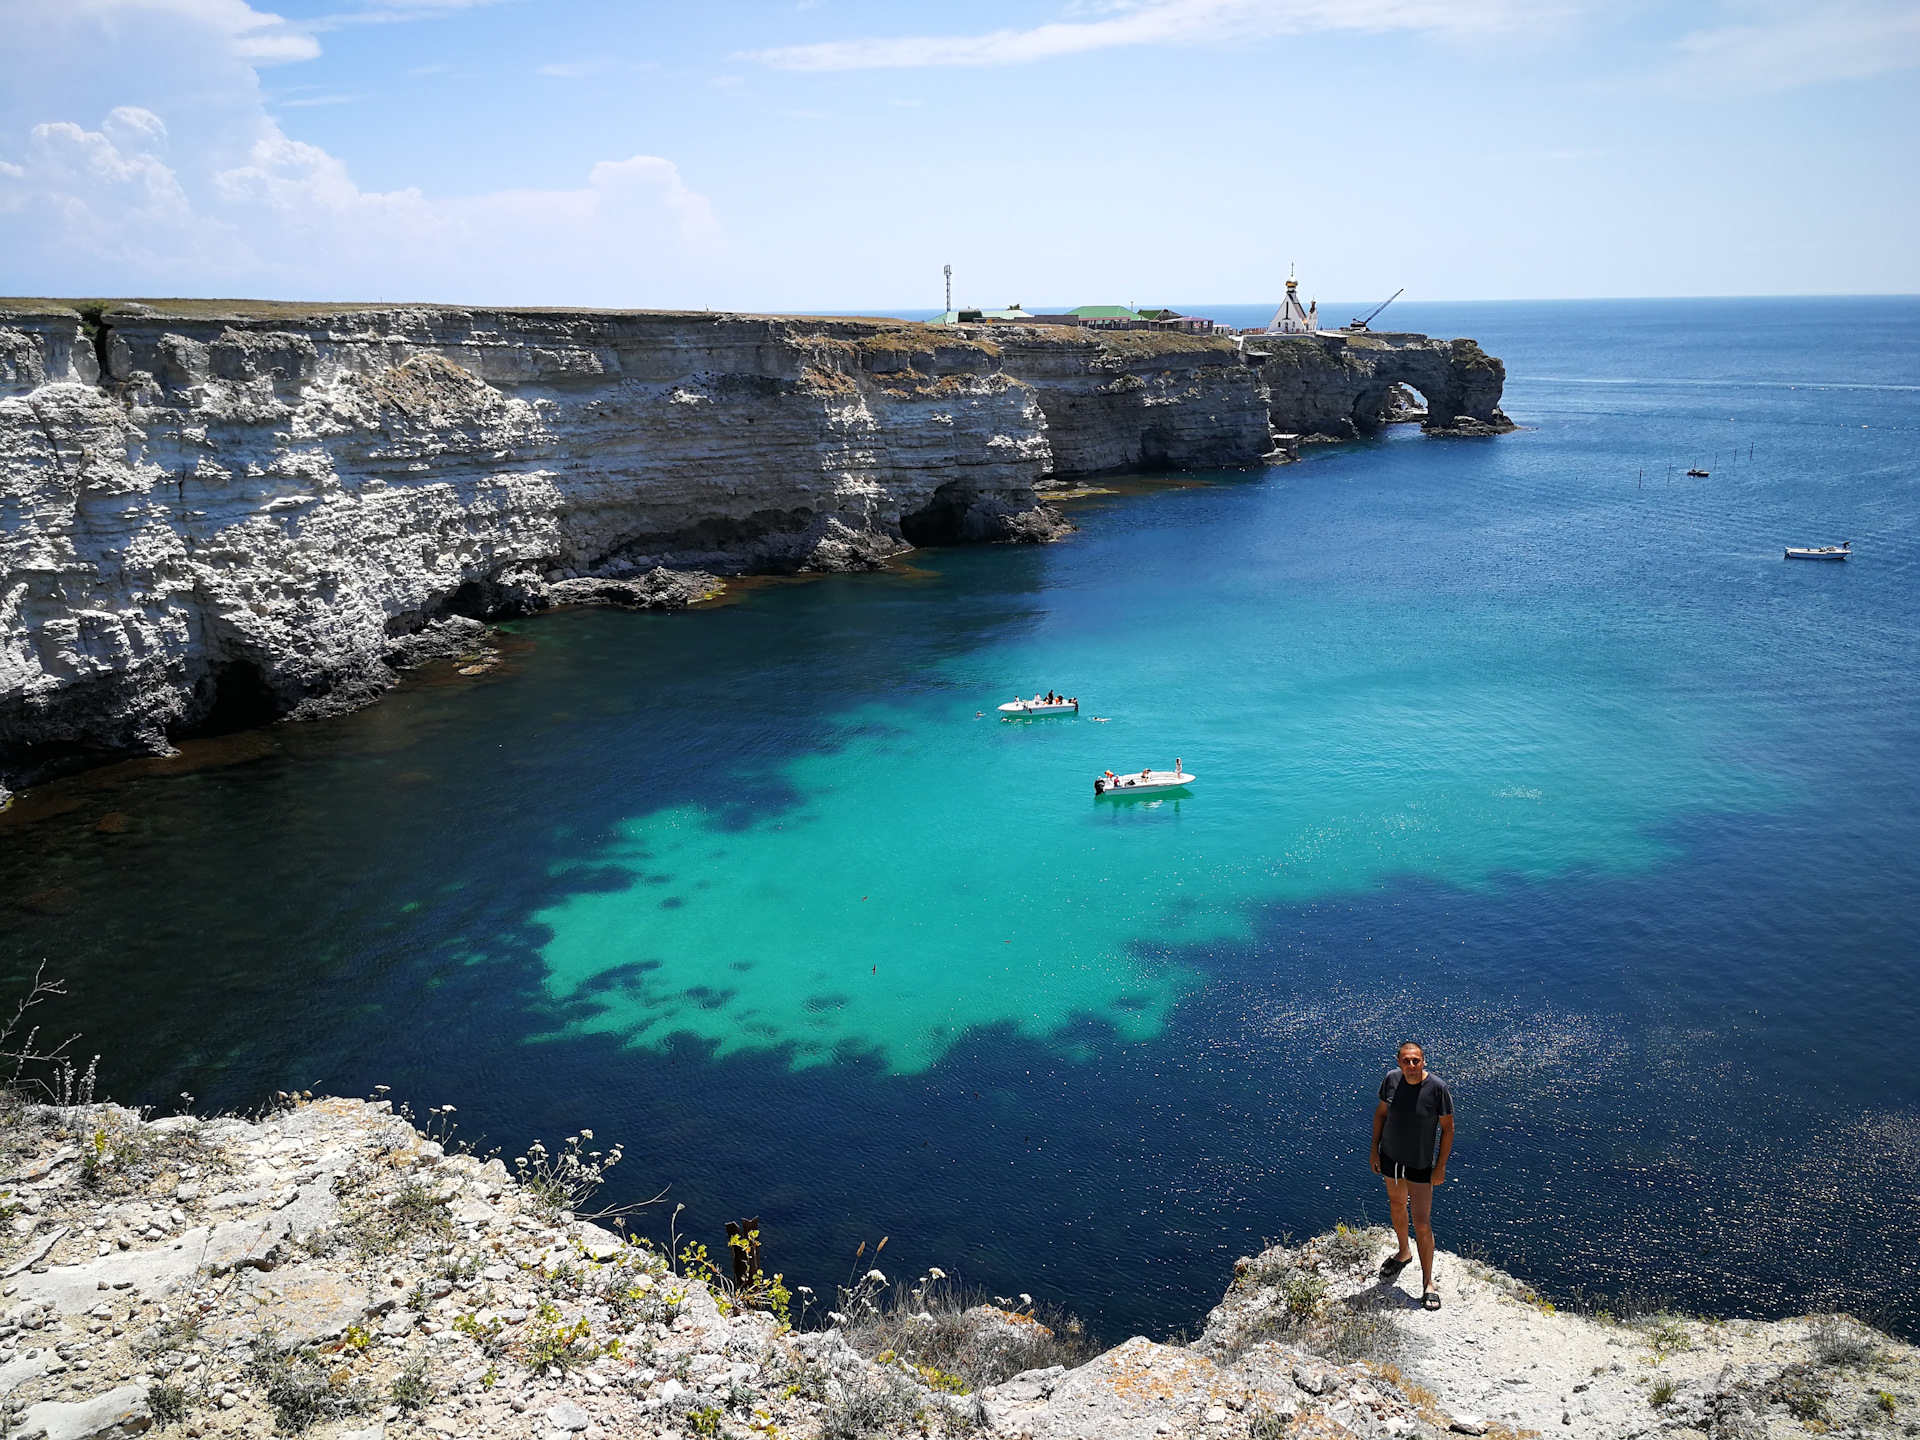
x,y
214,514
330,1270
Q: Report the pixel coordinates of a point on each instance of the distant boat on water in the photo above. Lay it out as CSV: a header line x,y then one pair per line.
x,y
1042,705
1137,781
1698,473
1820,552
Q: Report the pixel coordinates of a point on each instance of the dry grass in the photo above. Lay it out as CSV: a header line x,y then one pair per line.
x,y
410,1215
864,1408
1301,1312
951,1332
1839,1342
183,308
1136,343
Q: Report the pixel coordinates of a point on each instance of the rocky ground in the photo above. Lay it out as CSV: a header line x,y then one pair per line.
x,y
330,1269
1498,1356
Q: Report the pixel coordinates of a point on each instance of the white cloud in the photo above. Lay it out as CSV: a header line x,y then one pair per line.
x,y
383,12
1160,22
574,69
199,190
1773,46
255,36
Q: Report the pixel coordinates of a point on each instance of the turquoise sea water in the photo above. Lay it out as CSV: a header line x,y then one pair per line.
x,y
1524,746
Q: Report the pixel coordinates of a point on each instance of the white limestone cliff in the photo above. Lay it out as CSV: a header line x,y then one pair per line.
x,y
214,514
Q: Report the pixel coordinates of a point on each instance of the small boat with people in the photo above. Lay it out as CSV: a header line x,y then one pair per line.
x,y
1136,782
1051,703
1820,552
1697,473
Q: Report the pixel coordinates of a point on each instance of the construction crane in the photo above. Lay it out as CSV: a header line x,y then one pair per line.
x,y
1362,324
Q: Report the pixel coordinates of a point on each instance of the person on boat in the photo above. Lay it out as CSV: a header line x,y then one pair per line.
x,y
1412,1137
1176,764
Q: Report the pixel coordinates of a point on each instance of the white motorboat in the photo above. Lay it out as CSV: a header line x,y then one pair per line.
x,y
1038,706
1820,552
1138,782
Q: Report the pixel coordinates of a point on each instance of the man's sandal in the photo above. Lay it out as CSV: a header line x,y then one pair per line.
x,y
1391,1267
1430,1300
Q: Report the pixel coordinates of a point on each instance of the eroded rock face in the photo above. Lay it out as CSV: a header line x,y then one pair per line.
x,y
1141,400
213,515
1337,385
253,514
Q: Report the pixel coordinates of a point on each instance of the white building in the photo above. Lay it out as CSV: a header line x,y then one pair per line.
x,y
1291,318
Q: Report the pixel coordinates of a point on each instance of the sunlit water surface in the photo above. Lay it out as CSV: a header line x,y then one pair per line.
x,y
1526,747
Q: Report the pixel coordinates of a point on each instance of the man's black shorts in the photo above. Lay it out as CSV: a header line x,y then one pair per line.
x,y
1394,1170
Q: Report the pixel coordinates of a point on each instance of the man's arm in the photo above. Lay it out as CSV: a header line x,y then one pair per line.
x,y
1379,1124
1446,1148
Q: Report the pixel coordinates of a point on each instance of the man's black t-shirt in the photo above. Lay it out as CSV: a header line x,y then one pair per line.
x,y
1411,1135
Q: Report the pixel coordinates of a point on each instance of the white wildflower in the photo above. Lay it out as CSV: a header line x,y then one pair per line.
x,y
876,1277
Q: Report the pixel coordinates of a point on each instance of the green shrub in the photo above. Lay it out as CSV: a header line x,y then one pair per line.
x,y
1350,1245
301,1389
1666,1336
1303,1295
550,1340
866,1408
169,1403
411,1389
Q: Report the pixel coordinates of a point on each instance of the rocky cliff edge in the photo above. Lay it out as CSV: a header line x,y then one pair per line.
x,y
330,1270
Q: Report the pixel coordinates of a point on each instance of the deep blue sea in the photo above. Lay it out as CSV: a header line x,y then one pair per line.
x,y
1532,748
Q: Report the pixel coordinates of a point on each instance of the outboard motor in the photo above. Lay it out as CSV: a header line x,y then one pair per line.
x,y
1100,786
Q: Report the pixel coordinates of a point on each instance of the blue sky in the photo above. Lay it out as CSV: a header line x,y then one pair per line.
x,y
836,153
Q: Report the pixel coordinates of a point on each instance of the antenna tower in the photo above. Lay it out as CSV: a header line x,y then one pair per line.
x,y
949,273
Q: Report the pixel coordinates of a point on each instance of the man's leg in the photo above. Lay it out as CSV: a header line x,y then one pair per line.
x,y
1422,1196
1397,1206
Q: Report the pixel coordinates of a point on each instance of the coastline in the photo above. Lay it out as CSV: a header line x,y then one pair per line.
x,y
234,512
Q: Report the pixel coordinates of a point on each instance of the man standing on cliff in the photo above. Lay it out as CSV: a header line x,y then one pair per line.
x,y
1412,1137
